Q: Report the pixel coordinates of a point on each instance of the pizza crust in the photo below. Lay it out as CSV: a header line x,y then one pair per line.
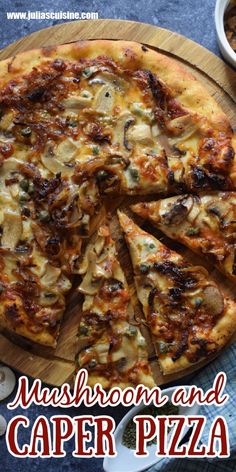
x,y
220,334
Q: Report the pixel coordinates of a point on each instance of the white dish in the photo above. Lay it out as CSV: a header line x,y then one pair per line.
x,y
125,461
224,45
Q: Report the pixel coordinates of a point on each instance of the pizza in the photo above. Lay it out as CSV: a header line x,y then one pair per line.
x,y
206,223
112,347
81,124
186,311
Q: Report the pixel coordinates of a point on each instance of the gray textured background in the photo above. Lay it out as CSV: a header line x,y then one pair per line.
x,y
192,18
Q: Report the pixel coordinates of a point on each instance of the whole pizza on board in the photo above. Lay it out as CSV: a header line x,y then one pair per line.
x,y
84,123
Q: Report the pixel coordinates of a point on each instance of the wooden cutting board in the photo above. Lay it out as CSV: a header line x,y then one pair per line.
x,y
56,367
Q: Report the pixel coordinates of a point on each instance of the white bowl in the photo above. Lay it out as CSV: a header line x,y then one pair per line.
x,y
126,461
224,45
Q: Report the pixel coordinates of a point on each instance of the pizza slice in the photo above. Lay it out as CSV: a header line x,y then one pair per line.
x,y
187,314
111,346
44,219
206,223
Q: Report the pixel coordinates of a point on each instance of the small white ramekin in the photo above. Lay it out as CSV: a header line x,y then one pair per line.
x,y
224,45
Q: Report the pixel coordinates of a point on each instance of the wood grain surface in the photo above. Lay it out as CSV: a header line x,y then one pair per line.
x,y
57,366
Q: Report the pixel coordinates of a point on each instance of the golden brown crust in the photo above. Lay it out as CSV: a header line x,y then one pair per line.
x,y
220,334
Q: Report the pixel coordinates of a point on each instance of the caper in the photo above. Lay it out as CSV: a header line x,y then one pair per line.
x,y
102,175
132,331
83,330
92,363
121,363
144,268
23,197
163,347
134,173
31,188
192,231
96,150
44,216
73,124
2,288
24,184
152,246
26,132
88,71
198,301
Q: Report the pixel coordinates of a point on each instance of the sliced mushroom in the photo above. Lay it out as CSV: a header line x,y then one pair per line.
x,y
51,276
3,425
219,208
66,150
83,266
55,166
95,249
99,245
102,350
64,284
175,210
213,300
6,137
12,230
14,190
7,121
195,210
156,130
48,298
7,382
102,272
10,165
104,99
165,144
118,273
124,121
39,262
107,77
140,134
182,127
75,103
88,287
126,355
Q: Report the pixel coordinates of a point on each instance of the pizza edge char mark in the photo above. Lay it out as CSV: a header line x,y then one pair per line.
x,y
185,310
182,105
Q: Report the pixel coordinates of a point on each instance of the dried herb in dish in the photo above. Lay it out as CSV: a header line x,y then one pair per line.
x,y
129,436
